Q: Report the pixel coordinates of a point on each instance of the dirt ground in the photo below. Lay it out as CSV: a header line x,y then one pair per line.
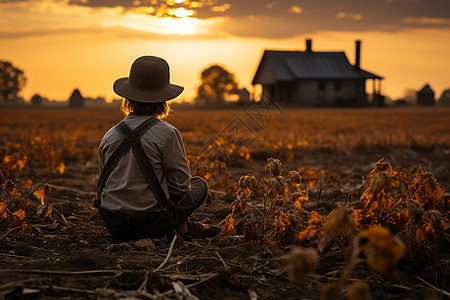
x,y
73,257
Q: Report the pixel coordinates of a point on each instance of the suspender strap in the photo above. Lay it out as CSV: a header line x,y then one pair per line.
x,y
119,153
136,145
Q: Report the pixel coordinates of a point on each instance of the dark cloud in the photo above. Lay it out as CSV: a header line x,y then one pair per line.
x,y
286,18
272,19
104,3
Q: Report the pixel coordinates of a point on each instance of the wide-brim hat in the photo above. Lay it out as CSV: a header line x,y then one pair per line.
x,y
149,81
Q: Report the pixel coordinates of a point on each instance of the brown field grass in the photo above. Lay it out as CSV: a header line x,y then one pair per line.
x,y
367,227
53,136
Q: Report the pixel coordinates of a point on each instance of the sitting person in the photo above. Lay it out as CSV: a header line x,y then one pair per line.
x,y
145,189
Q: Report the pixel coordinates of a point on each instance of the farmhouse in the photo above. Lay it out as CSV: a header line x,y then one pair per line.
x,y
314,78
76,100
425,97
244,96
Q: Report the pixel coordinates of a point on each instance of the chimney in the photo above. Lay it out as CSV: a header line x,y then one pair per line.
x,y
308,45
357,54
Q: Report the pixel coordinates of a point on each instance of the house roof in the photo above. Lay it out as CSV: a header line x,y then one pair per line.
x,y
292,65
426,90
76,96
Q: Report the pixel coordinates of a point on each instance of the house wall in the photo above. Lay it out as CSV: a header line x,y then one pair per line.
x,y
425,99
307,92
318,92
283,92
265,73
268,91
328,92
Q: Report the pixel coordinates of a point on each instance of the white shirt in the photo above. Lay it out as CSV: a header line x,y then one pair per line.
x,y
127,191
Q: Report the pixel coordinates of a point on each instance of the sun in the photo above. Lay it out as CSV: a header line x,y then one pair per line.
x,y
173,21
181,12
184,25
179,21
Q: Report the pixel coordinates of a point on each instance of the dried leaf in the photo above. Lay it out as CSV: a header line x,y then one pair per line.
x,y
314,222
42,193
46,211
11,188
3,207
298,198
20,214
359,290
301,262
251,233
339,221
415,212
323,241
382,250
295,177
28,183
274,166
228,228
331,291
281,221
61,167
379,182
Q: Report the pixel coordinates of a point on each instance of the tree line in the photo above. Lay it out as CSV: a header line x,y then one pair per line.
x,y
216,85
12,80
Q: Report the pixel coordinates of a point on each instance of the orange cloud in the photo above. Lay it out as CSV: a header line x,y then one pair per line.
x,y
294,9
221,8
426,20
343,15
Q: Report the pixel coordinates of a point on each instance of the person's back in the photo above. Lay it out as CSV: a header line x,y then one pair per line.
x,y
151,194
127,181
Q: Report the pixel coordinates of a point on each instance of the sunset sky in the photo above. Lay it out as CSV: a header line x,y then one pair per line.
x,y
88,44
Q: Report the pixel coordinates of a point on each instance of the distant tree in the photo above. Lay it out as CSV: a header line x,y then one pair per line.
x,y
410,96
216,84
12,80
36,99
445,97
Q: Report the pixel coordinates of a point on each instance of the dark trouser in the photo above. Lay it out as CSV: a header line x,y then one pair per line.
x,y
156,225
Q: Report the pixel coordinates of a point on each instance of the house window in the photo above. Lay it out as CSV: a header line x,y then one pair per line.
x,y
338,85
321,85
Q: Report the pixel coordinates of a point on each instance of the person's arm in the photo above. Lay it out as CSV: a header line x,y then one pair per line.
x,y
101,158
100,162
175,166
